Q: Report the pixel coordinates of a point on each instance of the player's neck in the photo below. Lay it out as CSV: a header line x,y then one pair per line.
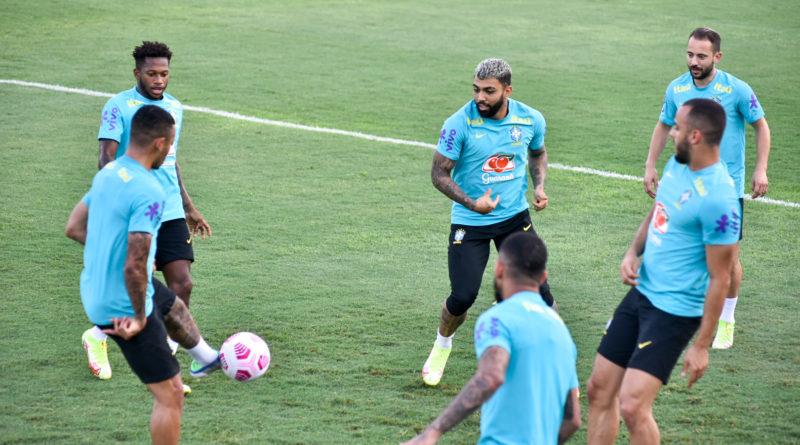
x,y
703,158
142,158
501,113
702,83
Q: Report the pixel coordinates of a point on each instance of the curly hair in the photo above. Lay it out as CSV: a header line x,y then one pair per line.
x,y
494,69
150,49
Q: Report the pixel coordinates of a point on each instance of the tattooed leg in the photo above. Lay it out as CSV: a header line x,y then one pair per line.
x,y
181,326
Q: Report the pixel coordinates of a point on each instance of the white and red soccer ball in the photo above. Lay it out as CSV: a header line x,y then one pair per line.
x,y
244,356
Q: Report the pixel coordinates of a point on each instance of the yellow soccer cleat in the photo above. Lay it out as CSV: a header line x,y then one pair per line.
x,y
724,337
433,369
97,354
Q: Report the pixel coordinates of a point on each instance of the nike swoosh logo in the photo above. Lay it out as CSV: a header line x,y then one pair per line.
x,y
526,228
645,344
189,241
478,136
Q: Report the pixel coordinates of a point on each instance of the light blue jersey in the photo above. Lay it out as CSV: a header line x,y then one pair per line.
x,y
124,198
740,103
528,408
491,154
116,125
693,209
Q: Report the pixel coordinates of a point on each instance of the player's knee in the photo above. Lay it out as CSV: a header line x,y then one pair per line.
x,y
458,304
598,393
183,287
632,411
171,395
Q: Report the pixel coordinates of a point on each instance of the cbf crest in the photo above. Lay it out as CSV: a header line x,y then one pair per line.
x,y
459,236
516,135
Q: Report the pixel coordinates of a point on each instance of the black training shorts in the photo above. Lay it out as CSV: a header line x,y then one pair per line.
x,y
174,242
467,255
148,353
643,337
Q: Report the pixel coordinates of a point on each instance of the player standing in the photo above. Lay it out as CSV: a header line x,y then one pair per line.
x,y
118,222
689,242
484,147
740,103
526,382
174,254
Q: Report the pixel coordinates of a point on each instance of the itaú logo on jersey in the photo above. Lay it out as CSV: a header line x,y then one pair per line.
x,y
499,163
661,219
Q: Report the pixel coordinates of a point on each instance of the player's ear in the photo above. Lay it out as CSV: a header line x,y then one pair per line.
x,y
499,269
508,90
543,278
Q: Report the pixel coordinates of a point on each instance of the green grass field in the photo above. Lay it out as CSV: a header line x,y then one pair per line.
x,y
333,248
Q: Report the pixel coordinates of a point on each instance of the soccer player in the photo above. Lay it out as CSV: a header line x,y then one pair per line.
x,y
526,380
690,241
118,221
740,103
480,163
174,254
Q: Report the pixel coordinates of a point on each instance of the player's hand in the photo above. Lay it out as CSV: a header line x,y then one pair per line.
x,y
126,327
484,204
426,437
650,181
539,200
629,269
197,224
696,361
759,184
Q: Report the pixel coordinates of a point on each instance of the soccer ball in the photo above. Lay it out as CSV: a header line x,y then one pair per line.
x,y
244,356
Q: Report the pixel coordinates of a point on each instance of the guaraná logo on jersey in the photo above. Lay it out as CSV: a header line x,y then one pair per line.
x,y
661,219
499,163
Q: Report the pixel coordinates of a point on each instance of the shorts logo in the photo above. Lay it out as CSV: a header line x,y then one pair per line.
x,y
499,163
459,236
645,344
661,219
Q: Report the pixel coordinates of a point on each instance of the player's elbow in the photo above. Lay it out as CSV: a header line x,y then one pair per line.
x,y
495,380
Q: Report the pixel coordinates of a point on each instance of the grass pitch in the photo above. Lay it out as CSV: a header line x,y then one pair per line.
x,y
333,248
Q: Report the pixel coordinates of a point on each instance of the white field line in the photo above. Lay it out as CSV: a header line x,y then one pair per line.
x,y
355,134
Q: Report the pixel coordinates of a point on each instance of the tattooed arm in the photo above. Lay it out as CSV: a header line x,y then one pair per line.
x,y
440,176
572,416
136,279
490,375
537,165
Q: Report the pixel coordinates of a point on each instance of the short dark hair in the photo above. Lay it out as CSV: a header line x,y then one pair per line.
x,y
708,117
150,49
710,35
150,123
524,256
494,69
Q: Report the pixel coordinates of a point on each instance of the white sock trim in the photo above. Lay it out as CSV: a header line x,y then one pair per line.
x,y
728,308
444,342
98,334
203,353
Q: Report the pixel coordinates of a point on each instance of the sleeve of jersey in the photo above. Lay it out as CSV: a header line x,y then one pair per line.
x,y
147,206
669,109
539,129
111,123
721,220
748,103
490,331
451,139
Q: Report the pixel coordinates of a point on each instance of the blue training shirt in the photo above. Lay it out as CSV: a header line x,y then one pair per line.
x,y
116,125
529,406
124,198
693,209
740,104
491,154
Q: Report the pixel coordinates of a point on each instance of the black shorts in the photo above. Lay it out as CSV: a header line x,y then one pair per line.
x,y
641,336
174,242
148,353
468,253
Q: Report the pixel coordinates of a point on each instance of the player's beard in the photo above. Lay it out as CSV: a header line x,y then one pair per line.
x,y
498,294
493,109
682,151
704,73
